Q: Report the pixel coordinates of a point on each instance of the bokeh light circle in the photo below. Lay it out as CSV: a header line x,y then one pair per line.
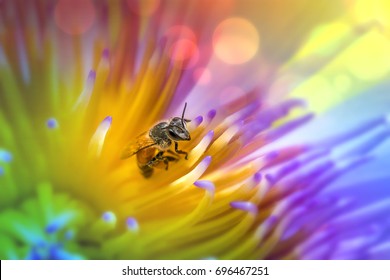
x,y
182,48
236,41
177,32
184,52
74,16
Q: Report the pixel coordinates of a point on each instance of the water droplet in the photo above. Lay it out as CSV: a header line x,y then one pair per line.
x,y
236,40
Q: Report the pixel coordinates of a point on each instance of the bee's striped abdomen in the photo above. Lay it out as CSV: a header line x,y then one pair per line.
x,y
146,170
143,158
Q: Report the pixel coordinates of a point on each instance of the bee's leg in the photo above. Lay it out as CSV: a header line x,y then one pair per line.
x,y
167,159
156,159
166,163
174,155
160,157
179,151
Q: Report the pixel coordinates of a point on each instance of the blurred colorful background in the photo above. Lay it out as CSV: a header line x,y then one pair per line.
x,y
289,151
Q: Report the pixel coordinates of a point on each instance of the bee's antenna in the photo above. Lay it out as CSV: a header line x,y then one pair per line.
x,y
182,116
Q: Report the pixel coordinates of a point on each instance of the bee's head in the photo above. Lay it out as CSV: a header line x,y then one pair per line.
x,y
177,129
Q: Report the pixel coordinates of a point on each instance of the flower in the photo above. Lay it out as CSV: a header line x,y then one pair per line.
x,y
259,182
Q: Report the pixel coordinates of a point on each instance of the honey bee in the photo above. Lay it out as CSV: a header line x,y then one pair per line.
x,y
153,147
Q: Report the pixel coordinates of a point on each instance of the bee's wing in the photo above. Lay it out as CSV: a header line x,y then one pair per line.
x,y
141,142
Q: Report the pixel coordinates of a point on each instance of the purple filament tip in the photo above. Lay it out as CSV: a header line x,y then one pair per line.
x,y
108,119
5,156
92,75
52,228
271,155
244,206
108,216
206,185
207,160
271,220
269,178
210,134
132,224
211,114
52,123
106,53
292,103
257,177
198,120
370,144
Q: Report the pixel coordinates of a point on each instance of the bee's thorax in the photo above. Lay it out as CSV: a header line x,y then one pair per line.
x,y
159,135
